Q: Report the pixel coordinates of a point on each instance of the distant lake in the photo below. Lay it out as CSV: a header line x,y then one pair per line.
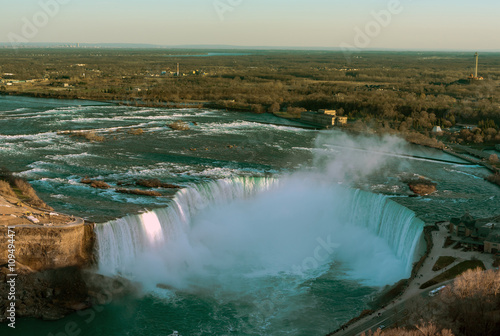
x,y
210,55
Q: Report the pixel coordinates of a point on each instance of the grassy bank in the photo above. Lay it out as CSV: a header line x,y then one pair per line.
x,y
453,272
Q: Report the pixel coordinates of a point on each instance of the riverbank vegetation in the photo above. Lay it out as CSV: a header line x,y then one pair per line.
x,y
390,92
19,188
424,329
470,306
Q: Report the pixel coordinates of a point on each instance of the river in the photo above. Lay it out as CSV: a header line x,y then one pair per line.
x,y
277,230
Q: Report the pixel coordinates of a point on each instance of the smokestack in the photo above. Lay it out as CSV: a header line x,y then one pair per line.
x,y
477,64
178,72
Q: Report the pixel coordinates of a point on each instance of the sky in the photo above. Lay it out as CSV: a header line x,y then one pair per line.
x,y
354,24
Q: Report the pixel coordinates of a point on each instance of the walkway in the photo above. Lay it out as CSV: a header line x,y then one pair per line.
x,y
394,311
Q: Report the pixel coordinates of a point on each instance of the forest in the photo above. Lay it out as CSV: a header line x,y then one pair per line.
x,y
401,92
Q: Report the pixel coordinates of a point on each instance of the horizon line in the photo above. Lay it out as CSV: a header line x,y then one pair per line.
x,y
119,45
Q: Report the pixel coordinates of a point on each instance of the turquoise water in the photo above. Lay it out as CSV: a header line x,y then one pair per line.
x,y
230,265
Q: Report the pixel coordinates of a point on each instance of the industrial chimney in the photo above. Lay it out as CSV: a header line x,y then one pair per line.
x,y
477,64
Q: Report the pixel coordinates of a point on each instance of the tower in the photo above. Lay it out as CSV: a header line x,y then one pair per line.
x,y
178,72
477,64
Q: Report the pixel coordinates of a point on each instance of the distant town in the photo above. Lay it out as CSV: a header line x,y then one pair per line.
x,y
443,100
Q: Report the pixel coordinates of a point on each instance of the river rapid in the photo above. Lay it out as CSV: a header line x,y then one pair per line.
x,y
277,229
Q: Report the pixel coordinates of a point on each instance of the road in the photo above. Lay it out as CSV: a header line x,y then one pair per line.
x,y
389,317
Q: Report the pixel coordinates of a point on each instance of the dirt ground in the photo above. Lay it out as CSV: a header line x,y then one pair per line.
x,y
14,212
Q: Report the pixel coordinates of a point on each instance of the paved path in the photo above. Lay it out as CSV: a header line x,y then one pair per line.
x,y
394,312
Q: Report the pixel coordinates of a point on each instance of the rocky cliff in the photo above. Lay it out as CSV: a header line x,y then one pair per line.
x,y
47,252
44,248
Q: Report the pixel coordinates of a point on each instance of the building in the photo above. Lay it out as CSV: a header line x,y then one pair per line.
x,y
437,129
463,226
341,120
492,242
323,118
477,234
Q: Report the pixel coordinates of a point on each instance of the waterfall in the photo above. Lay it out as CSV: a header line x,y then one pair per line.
x,y
265,223
120,241
394,223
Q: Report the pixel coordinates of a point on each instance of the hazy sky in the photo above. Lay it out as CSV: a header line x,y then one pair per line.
x,y
413,24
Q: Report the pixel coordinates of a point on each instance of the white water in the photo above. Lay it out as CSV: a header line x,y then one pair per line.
x,y
226,231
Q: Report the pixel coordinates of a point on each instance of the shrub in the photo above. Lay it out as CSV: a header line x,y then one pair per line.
x,y
422,329
6,190
27,190
6,175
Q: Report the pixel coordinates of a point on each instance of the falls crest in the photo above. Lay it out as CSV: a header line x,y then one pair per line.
x,y
397,225
121,241
358,222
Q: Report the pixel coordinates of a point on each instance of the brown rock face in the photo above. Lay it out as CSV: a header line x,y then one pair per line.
x,y
48,263
48,247
155,183
42,256
48,295
95,183
422,187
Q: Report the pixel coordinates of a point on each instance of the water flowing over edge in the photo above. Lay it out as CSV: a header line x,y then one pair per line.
x,y
120,241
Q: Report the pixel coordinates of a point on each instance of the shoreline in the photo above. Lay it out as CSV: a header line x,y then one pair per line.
x,y
393,310
448,149
387,297
47,96
478,162
414,269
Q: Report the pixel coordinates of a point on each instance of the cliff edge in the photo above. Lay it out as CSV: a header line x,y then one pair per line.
x,y
42,256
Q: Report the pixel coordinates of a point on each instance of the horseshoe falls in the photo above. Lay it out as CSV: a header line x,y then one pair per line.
x,y
242,241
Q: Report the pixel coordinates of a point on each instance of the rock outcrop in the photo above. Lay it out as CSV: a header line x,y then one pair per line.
x,y
48,295
43,248
47,252
422,186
